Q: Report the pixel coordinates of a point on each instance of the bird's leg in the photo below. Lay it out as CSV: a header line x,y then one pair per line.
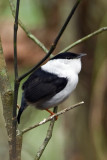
x,y
52,113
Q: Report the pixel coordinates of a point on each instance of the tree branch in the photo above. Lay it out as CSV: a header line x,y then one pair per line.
x,y
47,138
85,38
55,41
7,98
50,118
28,33
16,142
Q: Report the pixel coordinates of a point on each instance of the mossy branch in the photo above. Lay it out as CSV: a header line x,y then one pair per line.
x,y
103,29
50,118
6,97
47,138
28,33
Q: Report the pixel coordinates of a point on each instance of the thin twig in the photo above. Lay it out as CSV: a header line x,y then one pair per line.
x,y
50,118
47,138
85,38
28,33
55,41
16,85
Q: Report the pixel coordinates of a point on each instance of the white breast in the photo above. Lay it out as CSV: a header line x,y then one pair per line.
x,y
63,69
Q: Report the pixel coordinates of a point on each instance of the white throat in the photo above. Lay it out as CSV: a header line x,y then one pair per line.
x,y
63,67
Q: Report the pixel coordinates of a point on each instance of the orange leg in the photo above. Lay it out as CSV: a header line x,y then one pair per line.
x,y
52,113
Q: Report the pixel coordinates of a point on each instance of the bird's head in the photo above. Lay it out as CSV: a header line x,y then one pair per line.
x,y
71,60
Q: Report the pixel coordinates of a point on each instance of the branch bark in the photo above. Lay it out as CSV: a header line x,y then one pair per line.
x,y
7,102
50,118
7,98
15,147
47,138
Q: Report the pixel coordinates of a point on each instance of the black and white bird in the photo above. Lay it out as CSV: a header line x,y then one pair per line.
x,y
52,83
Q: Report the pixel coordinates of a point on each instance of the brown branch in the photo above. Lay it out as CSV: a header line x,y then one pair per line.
x,y
16,142
16,84
7,103
6,97
47,138
50,118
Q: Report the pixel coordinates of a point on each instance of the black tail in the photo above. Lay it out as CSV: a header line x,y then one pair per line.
x,y
22,108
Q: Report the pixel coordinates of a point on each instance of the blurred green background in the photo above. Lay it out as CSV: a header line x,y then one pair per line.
x,y
80,134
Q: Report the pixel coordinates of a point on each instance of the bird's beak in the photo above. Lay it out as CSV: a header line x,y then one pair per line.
x,y
81,55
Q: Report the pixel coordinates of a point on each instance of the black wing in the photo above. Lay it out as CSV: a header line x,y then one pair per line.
x,y
42,85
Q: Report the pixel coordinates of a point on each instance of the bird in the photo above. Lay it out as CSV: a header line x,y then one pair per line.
x,y
52,83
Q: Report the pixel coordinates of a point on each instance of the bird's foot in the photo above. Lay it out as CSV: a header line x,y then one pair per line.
x,y
52,113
